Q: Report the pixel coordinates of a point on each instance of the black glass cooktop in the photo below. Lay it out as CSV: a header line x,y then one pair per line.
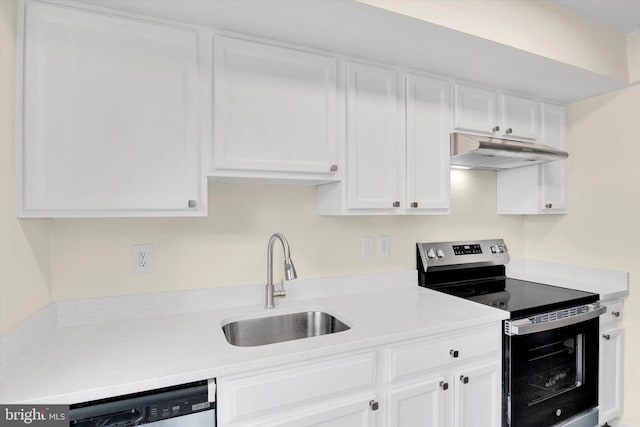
x,y
519,297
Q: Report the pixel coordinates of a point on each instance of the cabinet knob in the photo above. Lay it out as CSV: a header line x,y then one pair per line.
x,y
396,204
548,205
606,336
508,130
414,204
444,386
496,129
465,380
334,168
192,203
373,405
615,313
454,353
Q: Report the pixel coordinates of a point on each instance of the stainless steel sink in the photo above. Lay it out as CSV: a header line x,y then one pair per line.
x,y
285,327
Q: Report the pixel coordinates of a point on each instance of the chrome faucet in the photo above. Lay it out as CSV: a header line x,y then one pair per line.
x,y
289,270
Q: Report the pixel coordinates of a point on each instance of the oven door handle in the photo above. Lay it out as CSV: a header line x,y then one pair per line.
x,y
525,326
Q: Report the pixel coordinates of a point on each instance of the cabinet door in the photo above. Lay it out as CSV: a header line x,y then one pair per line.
x,y
475,109
374,141
349,413
610,385
417,405
274,108
111,119
428,126
478,396
554,174
519,117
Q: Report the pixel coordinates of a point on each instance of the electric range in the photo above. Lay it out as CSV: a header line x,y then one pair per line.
x,y
550,341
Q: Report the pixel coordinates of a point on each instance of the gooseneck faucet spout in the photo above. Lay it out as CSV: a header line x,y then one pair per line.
x,y
289,270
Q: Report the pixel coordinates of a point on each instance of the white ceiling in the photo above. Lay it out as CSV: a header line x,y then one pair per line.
x,y
622,15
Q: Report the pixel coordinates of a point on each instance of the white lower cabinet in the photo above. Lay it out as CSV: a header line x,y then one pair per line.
x,y
351,412
450,380
477,391
469,396
611,374
327,392
418,404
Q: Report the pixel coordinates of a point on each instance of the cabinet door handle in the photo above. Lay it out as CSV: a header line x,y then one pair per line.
x,y
192,203
334,168
606,336
548,205
444,386
414,204
465,380
396,204
454,353
496,129
373,405
615,313
508,131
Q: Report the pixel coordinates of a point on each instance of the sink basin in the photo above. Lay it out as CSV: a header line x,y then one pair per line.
x,y
284,327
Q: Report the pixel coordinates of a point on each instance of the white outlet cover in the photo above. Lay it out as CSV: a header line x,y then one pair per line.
x,y
368,246
142,258
384,248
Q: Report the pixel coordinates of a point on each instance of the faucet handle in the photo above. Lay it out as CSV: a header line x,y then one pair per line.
x,y
280,292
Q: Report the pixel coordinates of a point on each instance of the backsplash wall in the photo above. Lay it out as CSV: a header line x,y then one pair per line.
x,y
92,257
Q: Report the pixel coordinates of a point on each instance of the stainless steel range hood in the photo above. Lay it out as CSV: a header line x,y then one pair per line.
x,y
485,152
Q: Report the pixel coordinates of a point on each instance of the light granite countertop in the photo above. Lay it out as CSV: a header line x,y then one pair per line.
x,y
80,350
92,358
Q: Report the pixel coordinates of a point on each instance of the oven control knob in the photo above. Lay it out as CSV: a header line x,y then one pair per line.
x,y
439,253
494,249
431,253
558,412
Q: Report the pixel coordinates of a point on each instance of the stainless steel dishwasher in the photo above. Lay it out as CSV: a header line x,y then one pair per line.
x,y
190,405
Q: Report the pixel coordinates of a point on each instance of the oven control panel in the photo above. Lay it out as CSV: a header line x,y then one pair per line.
x,y
462,254
467,249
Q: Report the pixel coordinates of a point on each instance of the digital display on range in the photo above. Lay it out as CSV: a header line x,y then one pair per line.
x,y
467,249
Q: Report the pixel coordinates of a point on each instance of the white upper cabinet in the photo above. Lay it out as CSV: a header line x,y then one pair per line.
x,y
538,189
520,117
374,146
397,145
274,112
475,109
111,116
554,174
428,125
486,111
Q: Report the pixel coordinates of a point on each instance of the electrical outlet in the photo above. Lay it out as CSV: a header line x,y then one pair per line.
x,y
142,258
368,246
384,248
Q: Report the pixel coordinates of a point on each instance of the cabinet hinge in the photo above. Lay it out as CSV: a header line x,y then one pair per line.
x,y
373,405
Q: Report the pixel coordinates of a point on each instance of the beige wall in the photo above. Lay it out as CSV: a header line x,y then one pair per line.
x,y
43,259
539,27
633,53
92,257
603,228
24,245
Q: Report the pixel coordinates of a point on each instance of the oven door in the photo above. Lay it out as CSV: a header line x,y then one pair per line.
x,y
552,375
